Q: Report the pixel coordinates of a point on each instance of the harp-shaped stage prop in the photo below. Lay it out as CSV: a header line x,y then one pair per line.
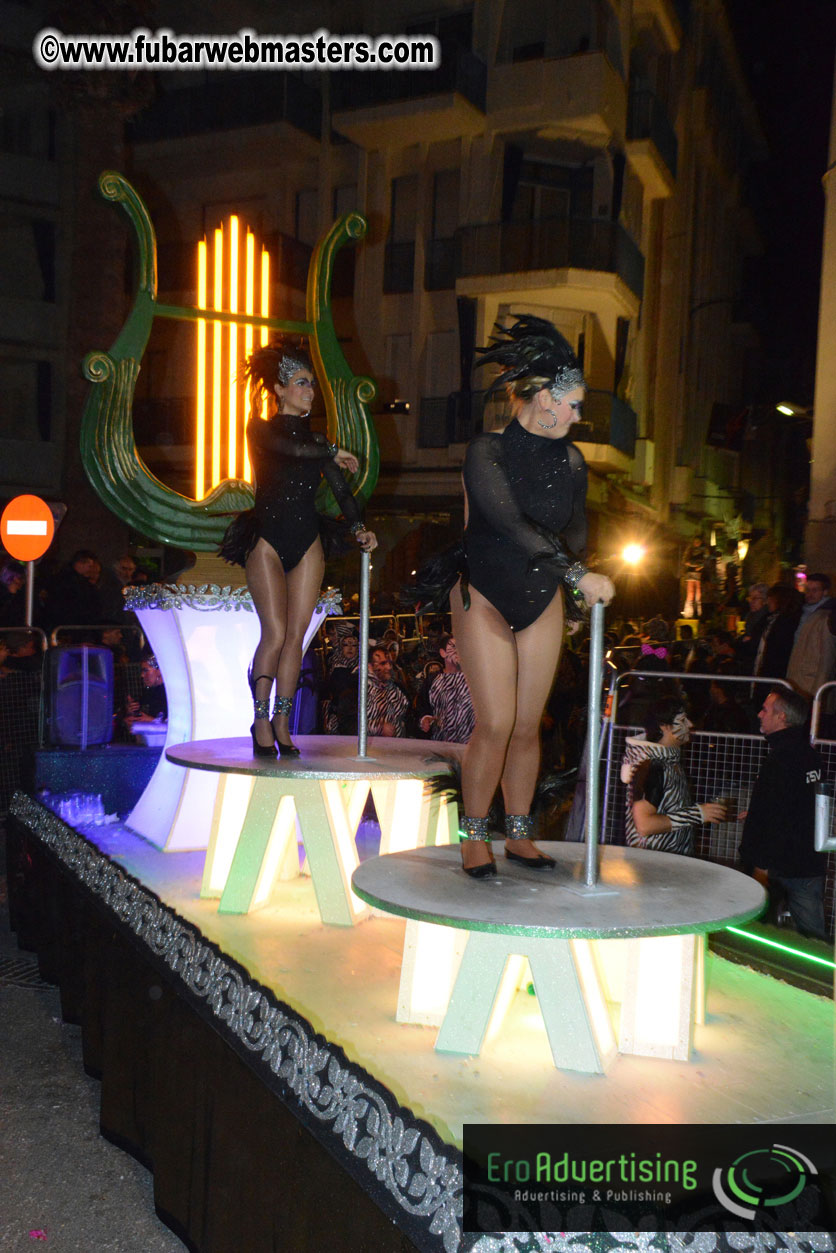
x,y
108,447
204,636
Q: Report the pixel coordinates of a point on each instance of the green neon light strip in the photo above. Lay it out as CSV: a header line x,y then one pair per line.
x,y
784,948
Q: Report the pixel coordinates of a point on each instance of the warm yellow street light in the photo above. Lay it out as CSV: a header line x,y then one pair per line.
x,y
633,554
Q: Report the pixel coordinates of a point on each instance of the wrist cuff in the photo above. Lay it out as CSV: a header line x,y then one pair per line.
x,y
574,574
358,528
333,449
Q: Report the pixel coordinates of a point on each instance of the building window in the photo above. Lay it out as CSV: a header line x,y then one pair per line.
x,y
26,388
27,258
306,216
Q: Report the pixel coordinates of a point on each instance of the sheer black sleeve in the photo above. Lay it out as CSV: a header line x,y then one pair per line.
x,y
488,490
576,531
269,437
342,494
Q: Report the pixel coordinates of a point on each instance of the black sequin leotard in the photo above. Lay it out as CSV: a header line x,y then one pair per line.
x,y
526,523
288,460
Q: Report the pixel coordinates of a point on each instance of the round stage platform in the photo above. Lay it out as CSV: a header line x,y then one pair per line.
x,y
263,804
634,938
639,893
321,757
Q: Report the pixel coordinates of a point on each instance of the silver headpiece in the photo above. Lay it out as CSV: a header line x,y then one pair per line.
x,y
288,366
566,380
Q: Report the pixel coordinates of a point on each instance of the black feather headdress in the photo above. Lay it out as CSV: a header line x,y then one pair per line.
x,y
532,354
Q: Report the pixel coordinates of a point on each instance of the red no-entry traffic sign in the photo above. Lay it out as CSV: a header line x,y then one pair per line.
x,y
27,527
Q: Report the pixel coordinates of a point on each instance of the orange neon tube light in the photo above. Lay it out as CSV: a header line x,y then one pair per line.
x,y
218,277
232,430
265,307
249,308
200,391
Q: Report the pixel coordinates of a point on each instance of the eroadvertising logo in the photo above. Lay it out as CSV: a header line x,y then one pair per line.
x,y
762,1178
611,1178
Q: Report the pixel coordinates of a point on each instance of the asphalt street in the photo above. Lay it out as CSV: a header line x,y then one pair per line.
x,y
63,1187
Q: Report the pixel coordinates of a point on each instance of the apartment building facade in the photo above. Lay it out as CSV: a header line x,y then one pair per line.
x,y
583,160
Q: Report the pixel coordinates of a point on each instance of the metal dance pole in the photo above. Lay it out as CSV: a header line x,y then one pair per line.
x,y
593,772
362,669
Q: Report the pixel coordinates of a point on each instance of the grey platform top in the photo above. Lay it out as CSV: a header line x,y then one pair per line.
x,y
639,893
321,757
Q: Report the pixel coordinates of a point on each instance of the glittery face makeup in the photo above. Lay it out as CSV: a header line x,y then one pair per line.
x,y
682,727
566,411
296,396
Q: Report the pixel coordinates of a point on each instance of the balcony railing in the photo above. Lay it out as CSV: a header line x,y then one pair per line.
x,y
648,119
460,71
550,244
229,102
399,267
607,420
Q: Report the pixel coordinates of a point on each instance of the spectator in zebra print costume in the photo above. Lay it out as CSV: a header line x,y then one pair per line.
x,y
661,814
388,704
452,716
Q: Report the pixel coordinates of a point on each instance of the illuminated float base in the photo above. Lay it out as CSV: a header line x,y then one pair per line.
x,y
261,801
204,639
286,1031
636,941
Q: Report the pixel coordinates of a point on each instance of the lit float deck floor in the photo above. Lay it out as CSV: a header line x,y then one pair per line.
x,y
345,982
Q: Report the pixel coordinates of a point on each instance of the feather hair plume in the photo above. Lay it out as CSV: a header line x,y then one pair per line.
x,y
531,354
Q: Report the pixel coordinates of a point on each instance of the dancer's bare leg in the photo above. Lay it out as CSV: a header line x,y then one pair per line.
x,y
304,582
538,654
268,588
488,654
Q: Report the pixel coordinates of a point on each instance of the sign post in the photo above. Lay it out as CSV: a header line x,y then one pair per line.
x,y
26,529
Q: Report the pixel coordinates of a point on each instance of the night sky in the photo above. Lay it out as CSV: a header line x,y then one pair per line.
x,y
787,51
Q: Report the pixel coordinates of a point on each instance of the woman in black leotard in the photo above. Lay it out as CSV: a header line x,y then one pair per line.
x,y
525,521
278,540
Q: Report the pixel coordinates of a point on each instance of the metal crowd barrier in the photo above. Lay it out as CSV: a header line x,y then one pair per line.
x,y
23,701
717,764
95,634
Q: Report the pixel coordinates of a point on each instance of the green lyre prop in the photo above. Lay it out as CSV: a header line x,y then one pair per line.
x,y
108,446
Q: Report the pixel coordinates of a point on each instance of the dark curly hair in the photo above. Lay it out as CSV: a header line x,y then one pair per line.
x,y
264,366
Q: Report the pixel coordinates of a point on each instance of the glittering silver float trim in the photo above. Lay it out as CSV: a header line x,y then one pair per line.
x,y
210,596
653,1242
425,1183
366,1121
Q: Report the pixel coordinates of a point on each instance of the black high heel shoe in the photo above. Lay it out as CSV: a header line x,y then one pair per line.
x,y
521,827
477,829
261,750
283,705
261,709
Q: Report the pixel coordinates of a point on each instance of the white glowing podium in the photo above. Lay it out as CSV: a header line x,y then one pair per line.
x,y
636,938
252,839
203,638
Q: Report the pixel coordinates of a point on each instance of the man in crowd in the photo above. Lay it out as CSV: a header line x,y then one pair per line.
x,y
388,704
753,626
778,834
813,658
119,575
661,814
74,598
452,716
152,705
